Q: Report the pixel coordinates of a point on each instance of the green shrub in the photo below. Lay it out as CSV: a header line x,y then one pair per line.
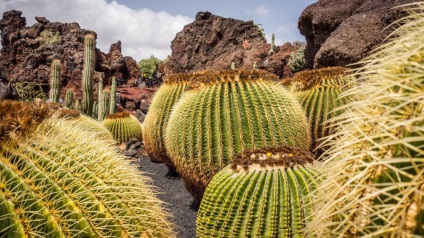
x,y
297,60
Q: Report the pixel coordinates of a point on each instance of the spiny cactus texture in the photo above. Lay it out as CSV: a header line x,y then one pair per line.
x,y
112,96
105,103
319,93
263,193
69,98
57,180
158,115
225,113
87,73
100,106
89,124
55,78
375,166
123,126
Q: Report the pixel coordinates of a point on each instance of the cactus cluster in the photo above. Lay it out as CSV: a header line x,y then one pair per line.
x,y
374,169
319,92
57,180
263,193
225,113
123,126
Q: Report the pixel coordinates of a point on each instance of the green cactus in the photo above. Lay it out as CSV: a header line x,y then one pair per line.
x,y
225,113
87,73
113,96
60,181
271,49
233,65
319,93
55,81
69,99
95,110
123,126
158,115
376,161
101,109
264,193
89,124
105,103
78,105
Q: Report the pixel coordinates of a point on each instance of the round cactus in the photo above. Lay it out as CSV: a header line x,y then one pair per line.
x,y
319,93
123,126
225,113
264,193
158,115
57,180
375,165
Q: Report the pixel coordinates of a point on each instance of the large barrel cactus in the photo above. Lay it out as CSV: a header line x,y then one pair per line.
x,y
123,126
225,113
375,166
263,193
158,115
60,181
319,92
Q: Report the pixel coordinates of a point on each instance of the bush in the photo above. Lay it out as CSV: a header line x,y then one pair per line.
x,y
149,66
297,60
49,38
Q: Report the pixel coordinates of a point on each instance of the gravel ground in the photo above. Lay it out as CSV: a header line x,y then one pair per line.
x,y
173,192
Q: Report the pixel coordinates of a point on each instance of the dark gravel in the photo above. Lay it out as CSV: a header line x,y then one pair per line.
x,y
173,192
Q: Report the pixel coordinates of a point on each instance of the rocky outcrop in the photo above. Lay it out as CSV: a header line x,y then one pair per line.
x,y
214,42
27,53
340,32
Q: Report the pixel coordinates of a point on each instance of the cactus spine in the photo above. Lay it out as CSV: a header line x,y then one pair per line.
x,y
123,126
113,96
375,165
225,113
264,193
87,73
100,106
157,118
69,99
55,81
60,181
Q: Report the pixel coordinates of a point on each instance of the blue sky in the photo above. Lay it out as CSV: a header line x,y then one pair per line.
x,y
147,27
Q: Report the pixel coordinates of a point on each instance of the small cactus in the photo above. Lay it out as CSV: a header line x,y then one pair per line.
x,y
123,126
374,167
100,106
57,180
55,81
105,103
113,96
157,118
87,73
69,99
264,193
225,113
271,49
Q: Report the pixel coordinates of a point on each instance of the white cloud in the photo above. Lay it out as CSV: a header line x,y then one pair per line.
x,y
262,11
142,32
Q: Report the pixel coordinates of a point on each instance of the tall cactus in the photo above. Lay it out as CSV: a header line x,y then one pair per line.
x,y
319,92
113,96
271,49
123,126
264,193
55,78
69,99
375,165
87,73
100,106
60,181
157,118
225,113
104,103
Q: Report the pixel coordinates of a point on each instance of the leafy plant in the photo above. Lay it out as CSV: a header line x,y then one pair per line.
x,y
149,66
29,91
297,60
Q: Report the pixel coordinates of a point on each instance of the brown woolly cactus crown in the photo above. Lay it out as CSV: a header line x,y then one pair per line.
x,y
18,117
269,157
210,77
118,115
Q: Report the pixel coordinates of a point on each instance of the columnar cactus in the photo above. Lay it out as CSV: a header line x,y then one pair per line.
x,y
263,193
271,49
319,93
60,181
69,99
55,77
225,113
123,126
100,106
113,96
87,73
95,110
105,103
375,166
157,117
78,105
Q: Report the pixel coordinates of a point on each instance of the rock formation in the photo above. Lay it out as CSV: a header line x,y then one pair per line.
x,y
340,32
214,42
27,52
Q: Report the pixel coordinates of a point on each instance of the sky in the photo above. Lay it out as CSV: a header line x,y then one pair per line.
x,y
147,27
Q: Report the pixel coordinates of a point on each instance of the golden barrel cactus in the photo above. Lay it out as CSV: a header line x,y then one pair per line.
x,y
123,126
